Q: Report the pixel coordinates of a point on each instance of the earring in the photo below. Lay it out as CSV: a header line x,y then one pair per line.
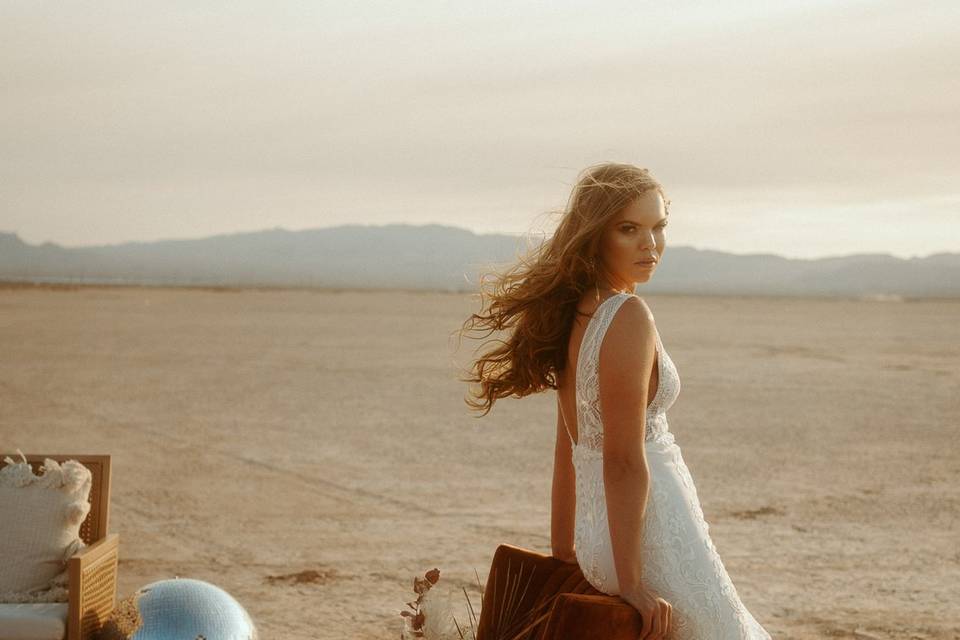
x,y
593,269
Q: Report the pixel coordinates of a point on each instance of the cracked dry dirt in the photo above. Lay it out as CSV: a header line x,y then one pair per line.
x,y
310,452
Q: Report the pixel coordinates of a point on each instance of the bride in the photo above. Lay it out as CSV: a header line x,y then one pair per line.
x,y
624,505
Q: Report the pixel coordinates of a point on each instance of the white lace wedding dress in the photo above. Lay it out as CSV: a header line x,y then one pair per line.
x,y
680,562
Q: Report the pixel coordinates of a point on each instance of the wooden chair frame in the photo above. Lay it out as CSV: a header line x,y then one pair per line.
x,y
92,571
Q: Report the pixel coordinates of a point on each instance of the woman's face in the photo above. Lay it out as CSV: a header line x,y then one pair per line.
x,y
633,237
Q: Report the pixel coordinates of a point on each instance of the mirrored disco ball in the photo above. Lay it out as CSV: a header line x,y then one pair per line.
x,y
180,609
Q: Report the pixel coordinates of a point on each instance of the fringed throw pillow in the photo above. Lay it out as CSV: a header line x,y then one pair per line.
x,y
40,517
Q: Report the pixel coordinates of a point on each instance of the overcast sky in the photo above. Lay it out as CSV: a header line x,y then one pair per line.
x,y
803,129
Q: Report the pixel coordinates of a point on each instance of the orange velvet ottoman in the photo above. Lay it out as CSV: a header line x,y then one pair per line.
x,y
531,596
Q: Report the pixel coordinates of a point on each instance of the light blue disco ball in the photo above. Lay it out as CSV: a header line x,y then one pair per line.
x,y
182,609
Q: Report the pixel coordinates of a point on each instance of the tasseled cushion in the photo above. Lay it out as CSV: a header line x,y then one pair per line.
x,y
40,519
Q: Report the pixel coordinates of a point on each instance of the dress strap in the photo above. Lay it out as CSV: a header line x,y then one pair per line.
x,y
566,425
604,317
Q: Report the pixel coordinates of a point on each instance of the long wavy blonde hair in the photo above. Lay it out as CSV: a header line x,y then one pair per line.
x,y
537,297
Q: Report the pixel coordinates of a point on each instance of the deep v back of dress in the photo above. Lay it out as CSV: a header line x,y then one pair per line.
x,y
680,562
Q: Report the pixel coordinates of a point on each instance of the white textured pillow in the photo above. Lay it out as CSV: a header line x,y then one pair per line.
x,y
40,519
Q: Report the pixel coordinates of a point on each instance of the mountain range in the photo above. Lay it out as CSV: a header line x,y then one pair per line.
x,y
437,257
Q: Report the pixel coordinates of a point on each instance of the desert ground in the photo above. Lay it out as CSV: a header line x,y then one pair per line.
x,y
310,451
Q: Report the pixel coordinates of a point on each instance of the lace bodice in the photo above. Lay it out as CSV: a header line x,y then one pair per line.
x,y
589,423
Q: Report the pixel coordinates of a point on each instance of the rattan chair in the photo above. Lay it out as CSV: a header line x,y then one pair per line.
x,y
531,596
93,570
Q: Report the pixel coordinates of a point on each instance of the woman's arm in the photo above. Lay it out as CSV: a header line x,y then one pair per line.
x,y
626,359
564,494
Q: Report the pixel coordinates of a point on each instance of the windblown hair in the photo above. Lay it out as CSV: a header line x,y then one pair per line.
x,y
537,297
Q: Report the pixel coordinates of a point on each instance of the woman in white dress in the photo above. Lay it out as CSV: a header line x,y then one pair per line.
x,y
624,504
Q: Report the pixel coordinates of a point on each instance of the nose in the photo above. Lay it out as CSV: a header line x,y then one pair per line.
x,y
647,240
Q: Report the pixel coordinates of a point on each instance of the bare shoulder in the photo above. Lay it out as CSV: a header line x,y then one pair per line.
x,y
632,325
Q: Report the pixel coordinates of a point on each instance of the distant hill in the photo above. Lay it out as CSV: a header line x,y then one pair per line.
x,y
450,259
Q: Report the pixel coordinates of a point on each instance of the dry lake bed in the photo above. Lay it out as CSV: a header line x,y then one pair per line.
x,y
311,452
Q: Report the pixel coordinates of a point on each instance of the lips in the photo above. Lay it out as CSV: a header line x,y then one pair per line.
x,y
646,262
